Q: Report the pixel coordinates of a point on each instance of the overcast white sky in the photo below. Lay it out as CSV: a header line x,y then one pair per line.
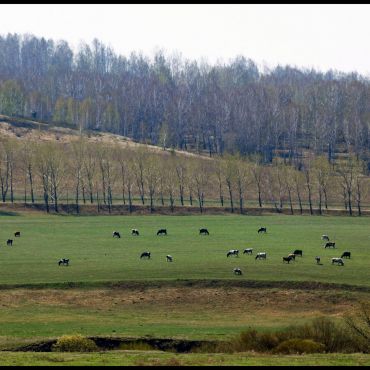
x,y
312,35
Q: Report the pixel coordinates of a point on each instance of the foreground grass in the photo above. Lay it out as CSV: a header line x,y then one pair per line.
x,y
146,358
97,257
195,313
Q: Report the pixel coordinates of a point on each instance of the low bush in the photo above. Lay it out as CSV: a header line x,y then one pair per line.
x,y
297,345
334,336
251,340
74,343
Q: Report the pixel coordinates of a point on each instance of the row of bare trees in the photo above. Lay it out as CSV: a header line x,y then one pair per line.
x,y
81,172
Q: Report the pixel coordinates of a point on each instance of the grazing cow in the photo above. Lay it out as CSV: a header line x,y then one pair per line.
x,y
330,244
64,262
17,233
237,271
169,258
287,259
233,252
135,232
292,255
162,232
346,254
338,261
325,237
261,255
298,252
203,232
262,230
9,242
248,251
317,258
145,254
116,234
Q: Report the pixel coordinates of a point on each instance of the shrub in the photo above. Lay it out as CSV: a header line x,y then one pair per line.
x,y
326,331
262,342
74,343
296,345
359,325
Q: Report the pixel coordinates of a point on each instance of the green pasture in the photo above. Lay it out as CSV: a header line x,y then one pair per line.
x,y
146,358
95,256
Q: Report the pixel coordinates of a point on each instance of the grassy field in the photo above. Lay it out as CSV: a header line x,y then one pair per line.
x,y
140,358
95,256
108,291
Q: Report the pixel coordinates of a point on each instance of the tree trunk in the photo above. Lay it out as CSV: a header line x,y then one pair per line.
x,y
325,198
31,183
350,202
182,195
310,199
77,198
11,184
231,197
290,201
259,198
299,201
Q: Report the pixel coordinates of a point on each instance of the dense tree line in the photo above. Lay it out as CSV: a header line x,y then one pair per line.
x,y
173,102
82,172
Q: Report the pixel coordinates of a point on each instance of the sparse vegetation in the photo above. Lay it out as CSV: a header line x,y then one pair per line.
x,y
74,343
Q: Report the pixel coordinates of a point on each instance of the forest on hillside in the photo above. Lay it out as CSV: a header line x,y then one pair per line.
x,y
174,102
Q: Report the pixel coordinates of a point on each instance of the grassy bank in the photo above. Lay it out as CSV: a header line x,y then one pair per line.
x,y
143,358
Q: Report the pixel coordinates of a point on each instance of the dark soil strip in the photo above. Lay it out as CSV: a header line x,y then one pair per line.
x,y
117,209
134,285
109,343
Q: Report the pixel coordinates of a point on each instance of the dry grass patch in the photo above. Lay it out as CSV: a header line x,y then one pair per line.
x,y
242,301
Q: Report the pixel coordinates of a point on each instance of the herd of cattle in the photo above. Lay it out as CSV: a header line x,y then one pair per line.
x,y
232,252
259,255
291,256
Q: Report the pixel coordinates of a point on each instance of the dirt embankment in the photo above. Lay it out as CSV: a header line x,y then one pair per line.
x,y
94,209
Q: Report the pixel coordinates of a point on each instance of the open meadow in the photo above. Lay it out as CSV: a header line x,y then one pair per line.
x,y
95,256
107,290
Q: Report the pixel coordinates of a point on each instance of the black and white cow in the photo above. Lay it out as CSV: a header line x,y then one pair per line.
x,y
317,258
237,271
116,234
135,232
233,252
325,237
145,254
248,251
17,233
169,258
9,242
330,244
64,262
203,232
292,255
262,230
287,259
338,261
162,232
261,255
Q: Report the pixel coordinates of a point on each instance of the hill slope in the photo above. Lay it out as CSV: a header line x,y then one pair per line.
x,y
24,129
